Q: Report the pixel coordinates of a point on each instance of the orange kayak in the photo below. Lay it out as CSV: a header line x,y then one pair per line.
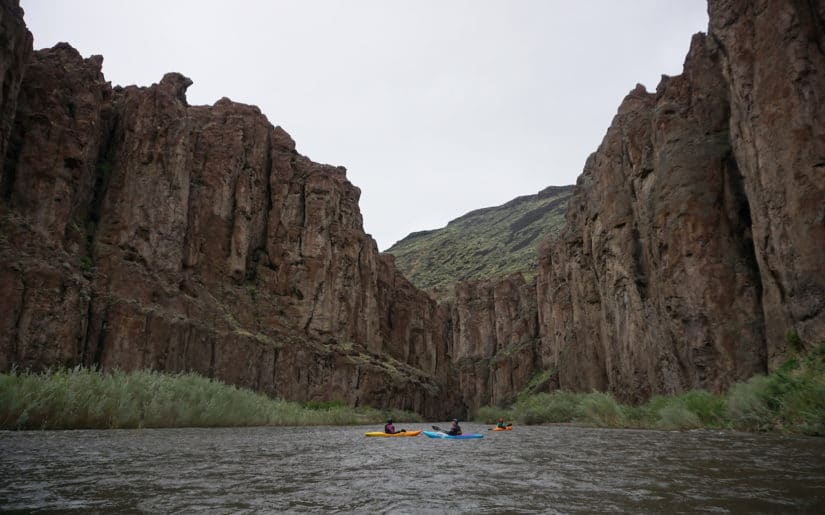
x,y
508,428
404,433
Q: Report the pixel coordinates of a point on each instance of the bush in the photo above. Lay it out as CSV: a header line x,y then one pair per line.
x,y
792,399
85,399
677,416
491,414
690,410
794,341
558,406
799,395
601,410
324,405
708,408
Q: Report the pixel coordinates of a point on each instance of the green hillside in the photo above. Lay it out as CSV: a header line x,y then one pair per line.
x,y
482,244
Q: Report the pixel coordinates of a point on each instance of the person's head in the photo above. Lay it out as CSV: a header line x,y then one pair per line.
x,y
501,420
389,421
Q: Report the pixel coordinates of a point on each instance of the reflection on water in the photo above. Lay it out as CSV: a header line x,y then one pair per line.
x,y
553,469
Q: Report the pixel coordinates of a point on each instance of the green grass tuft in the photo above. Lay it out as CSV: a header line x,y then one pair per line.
x,y
548,407
601,410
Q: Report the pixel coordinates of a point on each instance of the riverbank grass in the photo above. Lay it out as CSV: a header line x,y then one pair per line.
x,y
790,400
82,398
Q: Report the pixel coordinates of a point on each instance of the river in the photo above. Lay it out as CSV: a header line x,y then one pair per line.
x,y
540,469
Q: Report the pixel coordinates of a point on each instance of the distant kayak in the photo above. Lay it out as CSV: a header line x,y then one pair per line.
x,y
403,433
508,428
439,434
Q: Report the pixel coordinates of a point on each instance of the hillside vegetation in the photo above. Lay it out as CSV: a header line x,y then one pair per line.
x,y
483,244
789,400
82,398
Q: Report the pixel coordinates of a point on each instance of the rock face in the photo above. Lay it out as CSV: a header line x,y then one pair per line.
x,y
775,68
141,232
494,341
694,240
14,54
660,206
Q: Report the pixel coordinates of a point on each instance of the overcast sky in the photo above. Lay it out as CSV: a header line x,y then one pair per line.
x,y
435,107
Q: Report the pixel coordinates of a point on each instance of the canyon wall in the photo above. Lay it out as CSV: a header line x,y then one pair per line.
x,y
692,255
15,50
141,232
774,64
494,342
137,231
693,247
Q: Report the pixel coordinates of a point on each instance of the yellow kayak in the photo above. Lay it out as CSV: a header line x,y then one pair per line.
x,y
403,433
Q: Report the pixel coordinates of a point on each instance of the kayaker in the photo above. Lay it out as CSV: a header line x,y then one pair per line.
x,y
390,429
455,429
501,424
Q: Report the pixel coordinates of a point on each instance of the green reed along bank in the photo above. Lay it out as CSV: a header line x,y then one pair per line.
x,y
790,400
82,398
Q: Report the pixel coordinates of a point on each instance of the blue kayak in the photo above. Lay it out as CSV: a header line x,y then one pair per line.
x,y
439,434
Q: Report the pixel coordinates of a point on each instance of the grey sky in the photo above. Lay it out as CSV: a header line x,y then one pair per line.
x,y
435,108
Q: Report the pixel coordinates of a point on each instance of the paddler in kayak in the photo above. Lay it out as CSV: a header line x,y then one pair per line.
x,y
455,429
501,424
390,429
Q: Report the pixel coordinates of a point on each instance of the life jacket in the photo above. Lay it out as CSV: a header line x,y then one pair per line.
x,y
389,429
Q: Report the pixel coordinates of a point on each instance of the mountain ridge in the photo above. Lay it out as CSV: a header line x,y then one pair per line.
x,y
504,240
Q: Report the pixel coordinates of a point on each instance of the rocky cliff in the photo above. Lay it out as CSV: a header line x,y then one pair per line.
x,y
693,243
774,66
141,232
138,231
494,343
14,54
692,250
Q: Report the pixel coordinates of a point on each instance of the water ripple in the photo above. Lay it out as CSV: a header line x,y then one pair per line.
x,y
551,469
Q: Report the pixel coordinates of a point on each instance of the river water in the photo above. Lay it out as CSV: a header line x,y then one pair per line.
x,y
540,469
